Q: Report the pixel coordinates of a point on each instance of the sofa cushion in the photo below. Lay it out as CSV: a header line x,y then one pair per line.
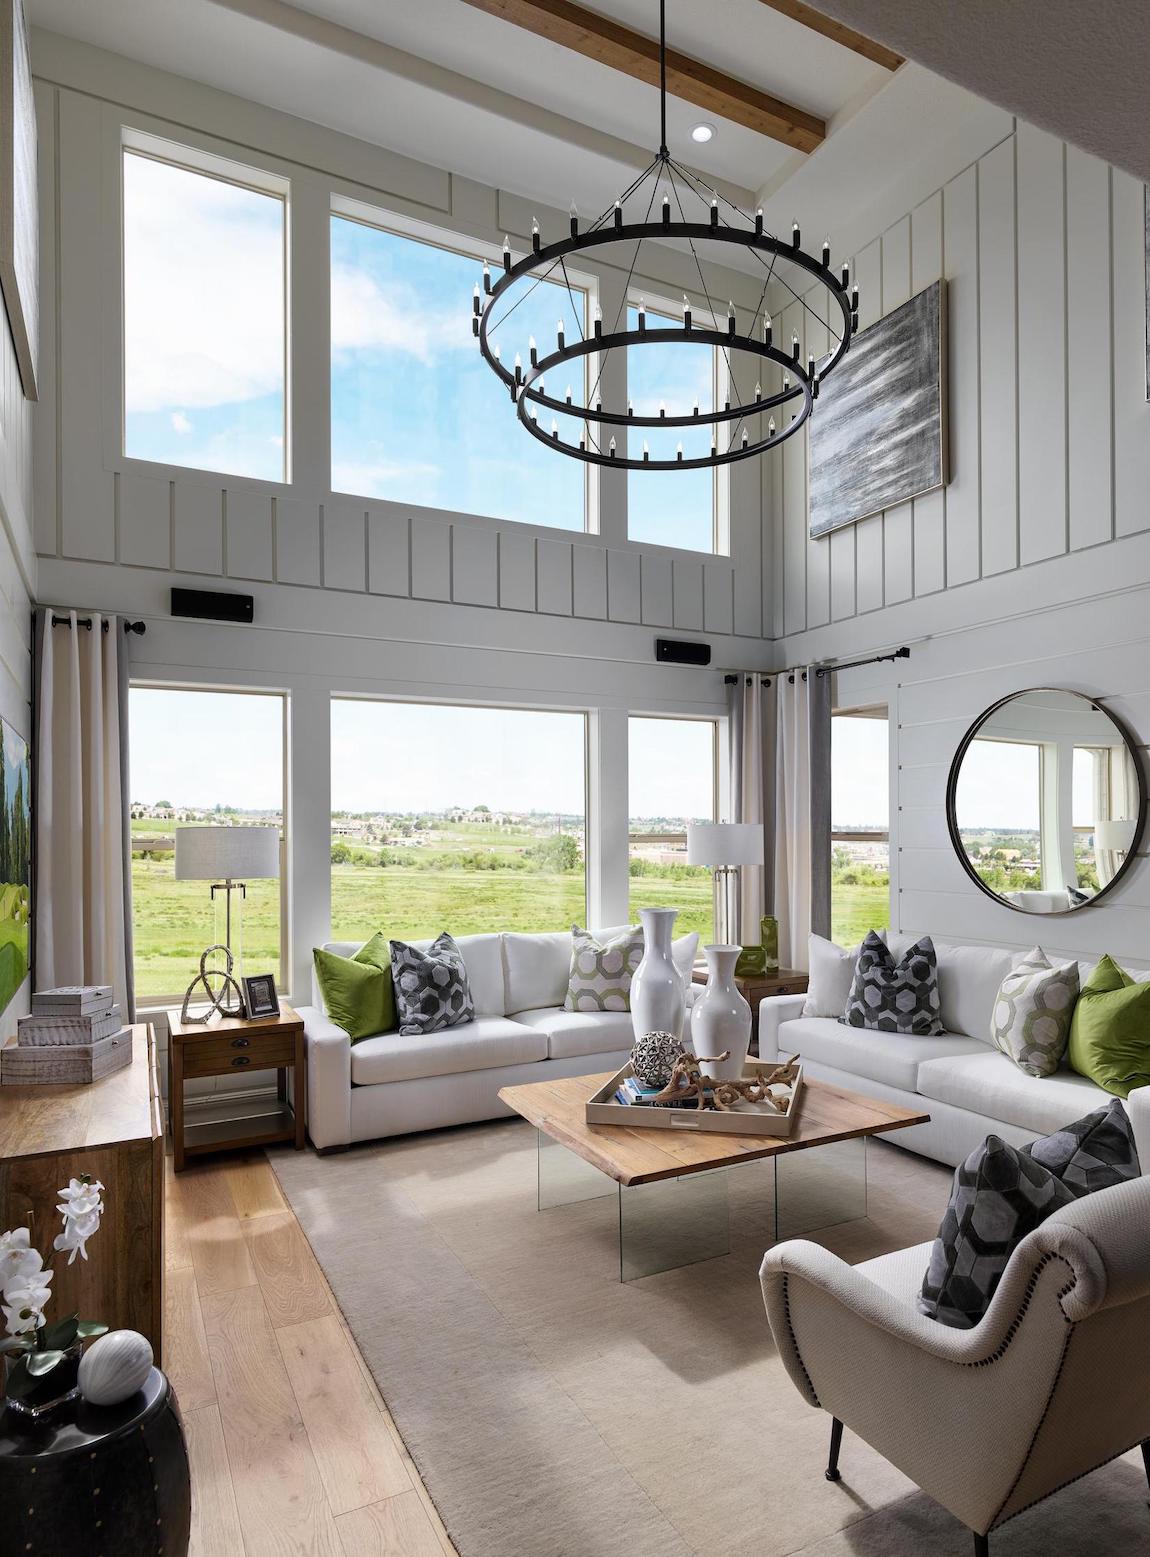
x,y
482,957
969,978
357,991
1094,1152
431,987
572,1033
601,971
999,1195
536,968
1110,1031
990,1084
895,995
1031,1023
832,971
892,1058
486,1042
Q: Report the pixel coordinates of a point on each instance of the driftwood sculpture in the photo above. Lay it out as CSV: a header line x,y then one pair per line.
x,y
688,1084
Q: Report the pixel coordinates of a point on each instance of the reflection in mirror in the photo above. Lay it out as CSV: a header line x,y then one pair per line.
x,y
1045,801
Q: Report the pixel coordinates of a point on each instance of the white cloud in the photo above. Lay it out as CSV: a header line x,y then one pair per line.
x,y
180,422
364,318
381,478
203,286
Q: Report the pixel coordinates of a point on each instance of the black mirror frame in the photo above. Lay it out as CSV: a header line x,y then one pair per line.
x,y
952,792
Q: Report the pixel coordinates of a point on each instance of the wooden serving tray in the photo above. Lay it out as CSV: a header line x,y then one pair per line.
x,y
602,1109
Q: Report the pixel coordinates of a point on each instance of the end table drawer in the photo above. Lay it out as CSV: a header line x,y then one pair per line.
x,y
237,1052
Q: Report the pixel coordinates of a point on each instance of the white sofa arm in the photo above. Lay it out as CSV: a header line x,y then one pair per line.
x,y
328,1079
773,1012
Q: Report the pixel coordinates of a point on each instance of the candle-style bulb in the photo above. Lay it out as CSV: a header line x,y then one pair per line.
x,y
745,438
695,410
730,318
630,407
678,451
598,405
573,213
495,352
532,350
786,382
662,408
611,448
846,274
759,220
826,253
554,428
646,450
714,213
618,213
795,235
795,347
758,391
771,428
855,298
506,253
568,394
810,364
666,210
486,276
475,299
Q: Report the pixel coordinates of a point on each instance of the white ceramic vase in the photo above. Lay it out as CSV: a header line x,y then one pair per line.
x,y
720,1017
658,999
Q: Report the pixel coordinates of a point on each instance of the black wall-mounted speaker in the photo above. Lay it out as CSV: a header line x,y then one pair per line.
x,y
213,605
680,651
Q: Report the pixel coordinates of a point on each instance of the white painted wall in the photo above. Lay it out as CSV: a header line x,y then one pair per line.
x,y
1032,567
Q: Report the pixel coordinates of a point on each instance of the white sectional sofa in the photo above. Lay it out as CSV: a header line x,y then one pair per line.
x,y
392,1085
967,1086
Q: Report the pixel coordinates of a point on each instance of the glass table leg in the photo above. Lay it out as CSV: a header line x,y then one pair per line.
x,y
820,1186
673,1222
564,1178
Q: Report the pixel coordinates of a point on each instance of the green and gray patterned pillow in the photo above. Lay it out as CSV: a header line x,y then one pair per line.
x,y
1031,1020
600,977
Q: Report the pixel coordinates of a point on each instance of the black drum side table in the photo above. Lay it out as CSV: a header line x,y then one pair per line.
x,y
99,1481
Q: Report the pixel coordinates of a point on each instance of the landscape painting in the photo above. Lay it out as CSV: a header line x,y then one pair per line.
x,y
878,431
15,863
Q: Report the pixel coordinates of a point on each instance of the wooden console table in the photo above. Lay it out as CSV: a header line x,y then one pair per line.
x,y
113,1130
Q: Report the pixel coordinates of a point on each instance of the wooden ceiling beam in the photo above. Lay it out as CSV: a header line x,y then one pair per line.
x,y
609,43
838,32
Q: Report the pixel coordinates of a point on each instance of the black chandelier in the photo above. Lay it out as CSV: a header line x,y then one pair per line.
x,y
800,381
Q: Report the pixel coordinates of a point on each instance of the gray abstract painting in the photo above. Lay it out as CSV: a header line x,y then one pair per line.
x,y
878,432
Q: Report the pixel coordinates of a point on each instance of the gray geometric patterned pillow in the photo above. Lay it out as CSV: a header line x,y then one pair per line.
x,y
1092,1153
999,1195
431,987
600,978
891,997
1031,1019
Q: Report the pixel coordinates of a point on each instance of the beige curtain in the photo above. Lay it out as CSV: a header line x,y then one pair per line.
x,y
752,729
802,825
83,904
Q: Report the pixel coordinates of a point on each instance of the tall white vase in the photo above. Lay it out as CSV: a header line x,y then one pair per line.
x,y
720,1017
658,999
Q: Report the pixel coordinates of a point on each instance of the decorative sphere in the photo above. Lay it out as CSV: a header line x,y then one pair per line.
x,y
653,1058
114,1367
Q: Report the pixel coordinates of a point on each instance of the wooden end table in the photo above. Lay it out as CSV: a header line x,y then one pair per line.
x,y
227,1046
758,986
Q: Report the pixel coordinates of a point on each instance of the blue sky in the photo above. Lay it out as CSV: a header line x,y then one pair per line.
x,y
417,416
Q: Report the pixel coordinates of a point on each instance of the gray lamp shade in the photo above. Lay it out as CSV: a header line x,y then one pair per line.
x,y
227,853
720,844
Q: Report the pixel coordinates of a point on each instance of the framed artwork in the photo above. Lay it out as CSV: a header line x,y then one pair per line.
x,y
19,232
878,432
15,862
1146,252
260,996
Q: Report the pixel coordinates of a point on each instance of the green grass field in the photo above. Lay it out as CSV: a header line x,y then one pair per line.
x,y
174,920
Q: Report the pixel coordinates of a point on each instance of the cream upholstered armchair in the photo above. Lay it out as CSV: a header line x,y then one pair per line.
x,y
1051,1384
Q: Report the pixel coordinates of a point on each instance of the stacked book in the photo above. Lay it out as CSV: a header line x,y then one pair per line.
x,y
633,1093
76,1033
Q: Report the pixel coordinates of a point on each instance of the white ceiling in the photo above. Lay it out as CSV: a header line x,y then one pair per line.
x,y
444,83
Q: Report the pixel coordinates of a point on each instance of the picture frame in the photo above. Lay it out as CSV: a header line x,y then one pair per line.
x,y
19,229
260,998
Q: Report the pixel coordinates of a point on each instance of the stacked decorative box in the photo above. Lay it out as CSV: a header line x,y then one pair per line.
x,y
73,1034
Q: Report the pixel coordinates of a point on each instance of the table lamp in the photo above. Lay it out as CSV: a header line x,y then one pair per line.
x,y
724,847
1115,835
228,857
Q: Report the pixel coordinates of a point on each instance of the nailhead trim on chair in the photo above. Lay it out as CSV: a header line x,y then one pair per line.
x,y
794,1338
1081,1476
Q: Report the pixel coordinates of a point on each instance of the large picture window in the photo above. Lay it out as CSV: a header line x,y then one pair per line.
x,y
455,818
672,767
416,414
178,778
668,507
204,320
860,824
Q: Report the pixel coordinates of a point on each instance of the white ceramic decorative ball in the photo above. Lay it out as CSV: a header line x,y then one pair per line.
x,y
114,1367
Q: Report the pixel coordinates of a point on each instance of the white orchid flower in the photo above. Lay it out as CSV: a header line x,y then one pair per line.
x,y
18,1259
81,1209
25,1302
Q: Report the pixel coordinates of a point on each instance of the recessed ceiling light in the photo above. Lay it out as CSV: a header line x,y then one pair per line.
x,y
703,133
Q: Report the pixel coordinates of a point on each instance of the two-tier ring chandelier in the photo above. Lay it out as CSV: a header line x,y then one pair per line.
x,y
691,213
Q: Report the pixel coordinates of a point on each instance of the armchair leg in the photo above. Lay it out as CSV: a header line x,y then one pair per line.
x,y
981,1545
832,1471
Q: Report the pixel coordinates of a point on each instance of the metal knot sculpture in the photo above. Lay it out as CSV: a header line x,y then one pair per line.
x,y
227,999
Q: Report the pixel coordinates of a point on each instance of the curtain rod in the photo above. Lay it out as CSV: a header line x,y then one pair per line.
x,y
86,621
829,670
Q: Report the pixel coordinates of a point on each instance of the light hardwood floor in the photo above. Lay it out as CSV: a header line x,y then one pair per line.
x,y
292,1448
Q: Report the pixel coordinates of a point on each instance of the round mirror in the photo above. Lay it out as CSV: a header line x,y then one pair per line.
x,y
1046,801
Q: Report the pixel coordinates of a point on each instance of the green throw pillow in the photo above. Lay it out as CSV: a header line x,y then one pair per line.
x,y
358,991
1110,1033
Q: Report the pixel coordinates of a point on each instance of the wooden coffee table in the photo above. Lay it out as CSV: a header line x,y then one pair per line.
x,y
673,1189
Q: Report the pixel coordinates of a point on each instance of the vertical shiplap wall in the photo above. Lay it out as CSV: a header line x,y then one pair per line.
x,y
1042,248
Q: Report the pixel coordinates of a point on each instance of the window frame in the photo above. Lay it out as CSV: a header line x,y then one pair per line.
x,y
590,813
283,973
478,250
702,310
190,157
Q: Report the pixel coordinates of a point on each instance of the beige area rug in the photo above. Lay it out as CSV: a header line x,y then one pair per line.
x,y
555,1412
